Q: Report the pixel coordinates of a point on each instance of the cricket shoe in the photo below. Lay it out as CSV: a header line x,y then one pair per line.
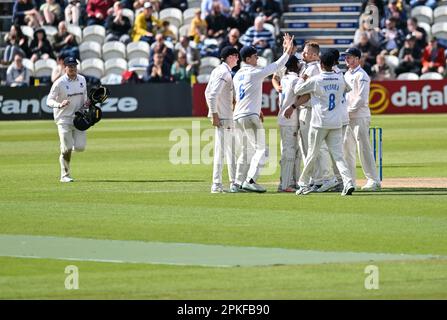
x,y
253,187
306,190
66,179
235,188
348,190
328,185
216,188
372,185
288,189
339,187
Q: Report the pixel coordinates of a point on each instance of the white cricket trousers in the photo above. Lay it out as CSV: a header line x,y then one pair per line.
x,y
357,136
334,166
253,148
71,139
323,167
333,138
290,156
224,151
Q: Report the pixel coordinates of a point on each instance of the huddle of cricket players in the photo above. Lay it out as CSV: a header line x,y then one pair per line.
x,y
323,120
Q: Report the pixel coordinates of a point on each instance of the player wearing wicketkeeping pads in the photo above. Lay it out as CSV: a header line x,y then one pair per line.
x,y
288,126
219,97
326,91
248,116
357,132
67,96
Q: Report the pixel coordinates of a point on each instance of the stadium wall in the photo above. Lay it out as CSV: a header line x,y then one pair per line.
x,y
125,101
386,97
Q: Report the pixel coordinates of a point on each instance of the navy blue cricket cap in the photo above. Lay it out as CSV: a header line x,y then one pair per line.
x,y
354,52
228,51
70,61
248,51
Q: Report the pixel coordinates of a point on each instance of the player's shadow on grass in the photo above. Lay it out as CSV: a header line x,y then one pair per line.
x,y
144,181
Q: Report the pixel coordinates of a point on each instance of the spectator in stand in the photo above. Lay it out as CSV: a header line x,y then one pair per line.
x,y
433,59
373,33
181,71
167,32
217,23
192,54
158,70
252,8
25,12
409,57
40,46
261,38
207,7
59,69
65,43
72,11
367,48
428,3
381,71
179,4
16,74
239,19
392,38
232,40
272,12
378,3
16,43
97,11
52,12
138,5
159,46
198,28
146,25
156,5
118,25
418,32
395,10
365,65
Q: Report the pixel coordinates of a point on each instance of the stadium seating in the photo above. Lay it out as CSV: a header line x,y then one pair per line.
x,y
439,30
184,30
113,49
139,49
93,68
50,32
76,31
139,65
129,14
44,67
431,76
94,33
29,65
440,14
426,27
27,31
115,66
89,49
423,14
194,3
392,61
408,76
188,15
173,15
207,65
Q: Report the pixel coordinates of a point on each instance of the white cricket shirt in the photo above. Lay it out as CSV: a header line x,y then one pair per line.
x,y
358,99
74,91
287,98
219,92
248,87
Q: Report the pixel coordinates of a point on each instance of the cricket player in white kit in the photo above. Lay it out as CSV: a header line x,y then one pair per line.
x,y
248,116
219,97
67,96
326,91
288,126
357,132
322,175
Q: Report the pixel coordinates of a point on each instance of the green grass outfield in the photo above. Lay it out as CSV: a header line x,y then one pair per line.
x,y
126,189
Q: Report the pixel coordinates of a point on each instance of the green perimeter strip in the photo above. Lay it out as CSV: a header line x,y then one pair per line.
x,y
176,253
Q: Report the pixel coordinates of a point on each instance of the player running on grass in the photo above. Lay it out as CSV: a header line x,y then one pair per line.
x,y
248,115
326,91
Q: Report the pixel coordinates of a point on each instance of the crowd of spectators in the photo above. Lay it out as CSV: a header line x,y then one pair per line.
x,y
398,39
216,23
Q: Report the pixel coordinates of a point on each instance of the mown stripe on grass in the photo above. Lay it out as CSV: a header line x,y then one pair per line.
x,y
117,251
